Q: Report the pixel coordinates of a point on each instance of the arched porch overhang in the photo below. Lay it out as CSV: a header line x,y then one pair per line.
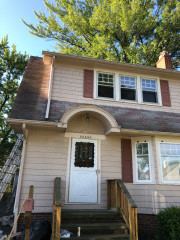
x,y
109,122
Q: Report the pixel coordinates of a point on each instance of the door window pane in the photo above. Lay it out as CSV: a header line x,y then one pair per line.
x,y
128,88
149,90
105,85
170,161
84,154
142,155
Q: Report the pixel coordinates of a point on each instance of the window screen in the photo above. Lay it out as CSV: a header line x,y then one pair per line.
x,y
84,154
170,161
142,155
128,88
149,90
105,85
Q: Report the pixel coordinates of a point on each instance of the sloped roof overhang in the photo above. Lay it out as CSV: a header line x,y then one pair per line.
x,y
92,63
17,125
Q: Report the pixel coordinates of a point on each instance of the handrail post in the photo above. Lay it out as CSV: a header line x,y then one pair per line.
x,y
120,199
28,214
56,218
130,223
136,223
112,194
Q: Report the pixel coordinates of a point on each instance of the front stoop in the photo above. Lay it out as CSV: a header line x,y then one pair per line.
x,y
94,224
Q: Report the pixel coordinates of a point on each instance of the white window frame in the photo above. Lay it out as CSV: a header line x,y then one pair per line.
x,y
117,88
159,102
162,181
151,160
114,86
136,95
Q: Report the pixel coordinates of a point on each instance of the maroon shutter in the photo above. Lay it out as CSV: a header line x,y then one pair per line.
x,y
88,83
126,151
165,93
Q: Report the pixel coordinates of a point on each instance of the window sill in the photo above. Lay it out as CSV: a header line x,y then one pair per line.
x,y
151,104
170,183
144,183
129,101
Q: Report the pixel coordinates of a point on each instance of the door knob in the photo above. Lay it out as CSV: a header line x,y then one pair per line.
x,y
98,171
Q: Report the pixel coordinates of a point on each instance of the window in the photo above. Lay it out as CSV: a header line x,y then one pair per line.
x,y
84,154
128,88
105,85
119,87
142,162
149,90
170,162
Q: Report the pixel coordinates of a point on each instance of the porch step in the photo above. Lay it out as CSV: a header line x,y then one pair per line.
x,y
103,237
94,224
100,228
90,216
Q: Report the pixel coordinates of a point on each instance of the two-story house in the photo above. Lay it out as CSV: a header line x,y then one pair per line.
x,y
87,121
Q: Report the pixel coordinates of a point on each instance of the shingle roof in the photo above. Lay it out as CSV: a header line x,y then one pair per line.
x,y
31,99
127,118
31,102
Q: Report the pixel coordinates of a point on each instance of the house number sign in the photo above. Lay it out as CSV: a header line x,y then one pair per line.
x,y
85,137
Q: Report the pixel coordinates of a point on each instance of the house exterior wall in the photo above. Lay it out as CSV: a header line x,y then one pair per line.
x,y
68,86
48,154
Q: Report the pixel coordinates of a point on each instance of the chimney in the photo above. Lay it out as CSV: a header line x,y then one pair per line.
x,y
165,60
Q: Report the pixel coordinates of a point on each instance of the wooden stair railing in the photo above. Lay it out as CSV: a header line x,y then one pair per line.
x,y
56,218
120,199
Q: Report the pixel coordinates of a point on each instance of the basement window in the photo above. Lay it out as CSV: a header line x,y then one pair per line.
x,y
170,162
128,88
149,90
106,85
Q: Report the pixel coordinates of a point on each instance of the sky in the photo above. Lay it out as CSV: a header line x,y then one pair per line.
x,y
11,12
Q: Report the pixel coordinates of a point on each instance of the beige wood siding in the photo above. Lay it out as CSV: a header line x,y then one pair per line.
x,y
150,198
68,86
46,157
110,163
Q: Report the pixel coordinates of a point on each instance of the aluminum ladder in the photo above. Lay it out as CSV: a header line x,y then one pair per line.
x,y
10,166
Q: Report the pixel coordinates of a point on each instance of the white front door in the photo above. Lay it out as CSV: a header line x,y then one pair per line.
x,y
83,171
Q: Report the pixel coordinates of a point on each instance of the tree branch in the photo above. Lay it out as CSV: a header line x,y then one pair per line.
x,y
5,137
4,102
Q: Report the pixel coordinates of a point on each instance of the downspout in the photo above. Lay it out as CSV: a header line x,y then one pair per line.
x,y
50,88
18,190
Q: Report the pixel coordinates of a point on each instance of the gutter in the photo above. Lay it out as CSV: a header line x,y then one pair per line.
x,y
18,191
59,124
146,133
32,122
50,88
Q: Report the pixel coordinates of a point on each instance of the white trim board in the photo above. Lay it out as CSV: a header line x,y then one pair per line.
x,y
151,160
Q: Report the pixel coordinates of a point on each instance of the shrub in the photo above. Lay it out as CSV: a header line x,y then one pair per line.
x,y
169,224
